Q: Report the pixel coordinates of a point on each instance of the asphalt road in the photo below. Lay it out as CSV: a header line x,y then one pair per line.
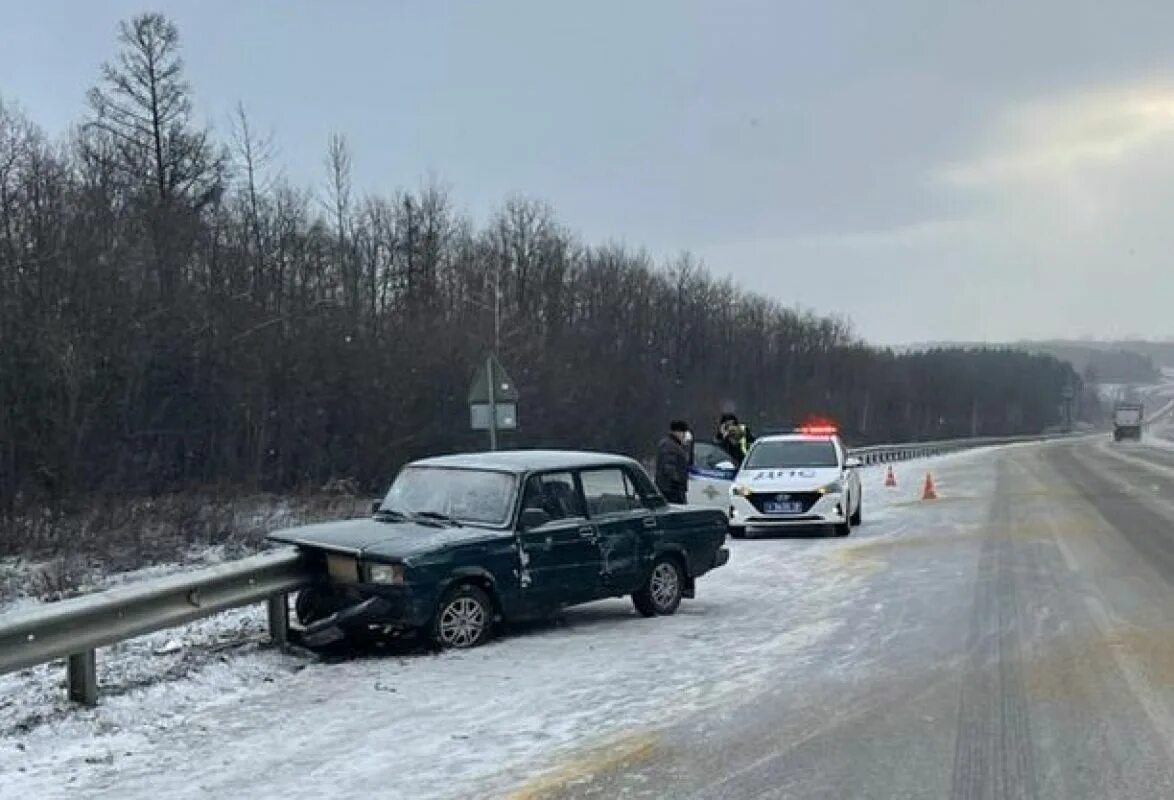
x,y
1014,642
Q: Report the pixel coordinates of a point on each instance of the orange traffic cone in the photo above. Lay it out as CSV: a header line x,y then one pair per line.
x,y
929,492
890,478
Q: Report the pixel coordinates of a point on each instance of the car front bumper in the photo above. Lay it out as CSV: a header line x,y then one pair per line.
x,y
364,606
721,557
830,509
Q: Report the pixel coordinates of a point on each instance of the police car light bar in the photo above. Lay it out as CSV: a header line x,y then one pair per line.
x,y
818,430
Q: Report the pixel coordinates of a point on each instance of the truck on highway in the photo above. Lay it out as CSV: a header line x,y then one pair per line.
x,y
1127,421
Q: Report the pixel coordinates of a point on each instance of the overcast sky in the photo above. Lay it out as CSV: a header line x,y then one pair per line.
x,y
929,169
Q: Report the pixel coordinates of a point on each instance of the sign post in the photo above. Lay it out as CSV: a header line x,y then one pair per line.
x,y
493,400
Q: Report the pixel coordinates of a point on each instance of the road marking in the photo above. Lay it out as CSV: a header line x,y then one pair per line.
x,y
1131,670
1047,489
627,751
1128,669
1145,463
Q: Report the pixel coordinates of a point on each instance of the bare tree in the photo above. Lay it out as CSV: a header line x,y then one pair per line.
x,y
338,188
254,155
143,105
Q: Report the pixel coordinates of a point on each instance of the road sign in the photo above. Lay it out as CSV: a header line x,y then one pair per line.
x,y
502,389
507,416
493,400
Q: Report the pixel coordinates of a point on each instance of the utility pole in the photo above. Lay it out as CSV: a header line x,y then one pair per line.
x,y
491,380
497,308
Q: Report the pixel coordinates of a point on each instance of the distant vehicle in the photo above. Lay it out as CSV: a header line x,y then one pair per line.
x,y
462,541
798,479
1127,418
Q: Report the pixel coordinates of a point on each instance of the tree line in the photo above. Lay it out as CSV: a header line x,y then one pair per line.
x,y
173,313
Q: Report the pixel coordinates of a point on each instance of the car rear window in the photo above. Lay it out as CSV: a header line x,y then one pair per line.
x,y
792,453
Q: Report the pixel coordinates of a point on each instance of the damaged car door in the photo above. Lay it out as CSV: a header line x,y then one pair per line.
x,y
558,545
624,524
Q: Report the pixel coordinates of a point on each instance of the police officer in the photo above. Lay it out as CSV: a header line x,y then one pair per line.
x,y
733,437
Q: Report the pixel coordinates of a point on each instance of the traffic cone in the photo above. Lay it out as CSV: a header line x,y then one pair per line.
x,y
890,478
929,493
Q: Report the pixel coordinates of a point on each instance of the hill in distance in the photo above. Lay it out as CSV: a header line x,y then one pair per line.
x,y
1109,361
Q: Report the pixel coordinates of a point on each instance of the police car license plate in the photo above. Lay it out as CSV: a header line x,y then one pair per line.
x,y
782,507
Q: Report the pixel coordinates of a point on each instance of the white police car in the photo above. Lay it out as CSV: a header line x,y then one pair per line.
x,y
796,479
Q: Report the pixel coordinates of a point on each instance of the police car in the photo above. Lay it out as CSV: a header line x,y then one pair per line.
x,y
796,479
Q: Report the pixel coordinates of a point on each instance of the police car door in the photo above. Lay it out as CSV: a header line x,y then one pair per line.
x,y
711,474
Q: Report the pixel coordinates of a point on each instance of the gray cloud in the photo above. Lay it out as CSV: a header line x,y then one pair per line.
x,y
929,169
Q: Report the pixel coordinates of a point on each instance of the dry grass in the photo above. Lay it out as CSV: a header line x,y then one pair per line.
x,y
52,554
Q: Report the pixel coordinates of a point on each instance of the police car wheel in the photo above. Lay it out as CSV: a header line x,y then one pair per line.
x,y
737,532
857,515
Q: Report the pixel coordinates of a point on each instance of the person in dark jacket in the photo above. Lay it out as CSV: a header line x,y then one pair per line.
x,y
672,463
733,437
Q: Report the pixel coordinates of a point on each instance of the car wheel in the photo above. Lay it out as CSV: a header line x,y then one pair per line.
x,y
662,592
857,515
464,618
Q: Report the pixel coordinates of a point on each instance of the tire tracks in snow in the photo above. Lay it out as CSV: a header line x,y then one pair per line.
x,y
994,754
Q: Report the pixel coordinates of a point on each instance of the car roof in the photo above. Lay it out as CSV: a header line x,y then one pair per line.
x,y
521,461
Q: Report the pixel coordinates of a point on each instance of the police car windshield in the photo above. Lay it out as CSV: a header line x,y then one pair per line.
x,y
792,453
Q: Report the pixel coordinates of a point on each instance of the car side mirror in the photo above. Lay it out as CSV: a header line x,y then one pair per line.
x,y
726,465
852,463
533,518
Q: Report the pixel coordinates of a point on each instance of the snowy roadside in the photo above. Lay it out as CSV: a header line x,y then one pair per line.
x,y
238,714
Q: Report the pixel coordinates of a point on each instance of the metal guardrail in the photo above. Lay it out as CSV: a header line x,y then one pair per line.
x,y
1159,415
73,629
885,453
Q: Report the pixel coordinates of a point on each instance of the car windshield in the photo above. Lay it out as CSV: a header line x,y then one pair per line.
x,y
792,453
480,497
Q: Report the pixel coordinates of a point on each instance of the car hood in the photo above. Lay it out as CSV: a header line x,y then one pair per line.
x,y
393,541
799,479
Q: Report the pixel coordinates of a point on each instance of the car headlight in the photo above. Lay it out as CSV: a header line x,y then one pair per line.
x,y
740,491
392,574
836,487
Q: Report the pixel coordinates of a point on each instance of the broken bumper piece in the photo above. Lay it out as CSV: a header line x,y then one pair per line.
x,y
333,628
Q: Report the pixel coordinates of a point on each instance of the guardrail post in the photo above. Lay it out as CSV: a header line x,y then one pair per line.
x,y
83,678
279,619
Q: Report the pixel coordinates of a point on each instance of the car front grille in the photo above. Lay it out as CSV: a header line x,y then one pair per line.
x,y
343,569
759,499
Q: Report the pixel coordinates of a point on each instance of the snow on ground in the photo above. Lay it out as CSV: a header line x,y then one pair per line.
x,y
16,575
240,719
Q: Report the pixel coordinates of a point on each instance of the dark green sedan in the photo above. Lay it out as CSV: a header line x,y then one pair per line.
x,y
463,542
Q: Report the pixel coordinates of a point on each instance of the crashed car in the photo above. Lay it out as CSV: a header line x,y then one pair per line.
x,y
462,542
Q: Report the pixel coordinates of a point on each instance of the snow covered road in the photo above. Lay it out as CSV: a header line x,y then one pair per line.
x,y
1014,642
249,721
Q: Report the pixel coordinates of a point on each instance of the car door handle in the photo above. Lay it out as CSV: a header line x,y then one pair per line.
x,y
650,522
587,532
